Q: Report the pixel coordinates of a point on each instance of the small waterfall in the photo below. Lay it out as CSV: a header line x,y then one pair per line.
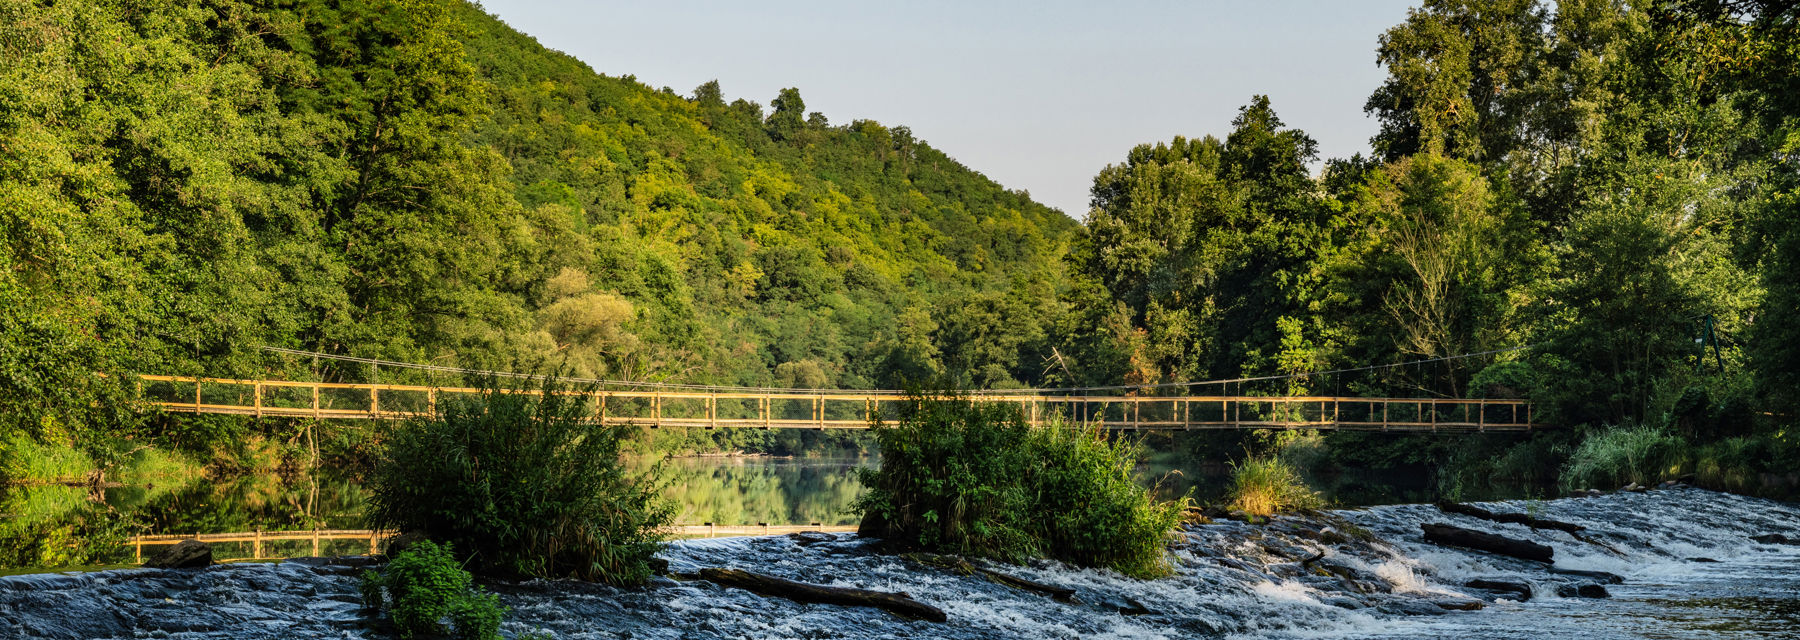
x,y
1686,555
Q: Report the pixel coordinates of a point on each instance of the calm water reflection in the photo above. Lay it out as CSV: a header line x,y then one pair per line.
x,y
764,490
57,526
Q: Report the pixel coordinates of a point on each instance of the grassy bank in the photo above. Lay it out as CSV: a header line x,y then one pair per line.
x,y
25,460
1760,464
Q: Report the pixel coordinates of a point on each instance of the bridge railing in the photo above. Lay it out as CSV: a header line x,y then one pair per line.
x,y
847,409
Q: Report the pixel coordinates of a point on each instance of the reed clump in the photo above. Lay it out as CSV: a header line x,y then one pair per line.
x,y
1265,485
1622,455
523,483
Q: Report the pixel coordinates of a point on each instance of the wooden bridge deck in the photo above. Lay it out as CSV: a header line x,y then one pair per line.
x,y
851,409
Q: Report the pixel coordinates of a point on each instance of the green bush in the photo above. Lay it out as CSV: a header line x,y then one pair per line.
x,y
525,484
1621,455
1091,511
1264,485
423,587
973,478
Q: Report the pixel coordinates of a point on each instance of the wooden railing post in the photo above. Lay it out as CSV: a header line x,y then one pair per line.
x,y
315,399
257,390
374,402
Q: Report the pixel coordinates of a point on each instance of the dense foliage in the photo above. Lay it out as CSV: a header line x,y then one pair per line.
x,y
184,182
524,484
1601,192
970,477
1600,197
423,587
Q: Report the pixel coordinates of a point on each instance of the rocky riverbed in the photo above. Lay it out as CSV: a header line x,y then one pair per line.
x,y
1685,560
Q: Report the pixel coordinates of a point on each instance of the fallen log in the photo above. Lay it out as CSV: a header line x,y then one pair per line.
x,y
964,567
896,603
1513,518
1482,541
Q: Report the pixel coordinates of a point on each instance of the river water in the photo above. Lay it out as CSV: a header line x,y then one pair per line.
x,y
1689,569
1689,566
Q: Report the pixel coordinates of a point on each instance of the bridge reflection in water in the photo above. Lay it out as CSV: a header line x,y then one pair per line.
x,y
262,542
812,409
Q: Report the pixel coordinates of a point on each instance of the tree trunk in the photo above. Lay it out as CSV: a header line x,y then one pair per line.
x,y
1483,541
1514,518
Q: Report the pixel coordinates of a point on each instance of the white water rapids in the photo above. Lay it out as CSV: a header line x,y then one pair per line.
x,y
1689,566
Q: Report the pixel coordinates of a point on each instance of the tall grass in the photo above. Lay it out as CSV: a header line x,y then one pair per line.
x,y
1622,455
24,460
1264,485
973,478
524,484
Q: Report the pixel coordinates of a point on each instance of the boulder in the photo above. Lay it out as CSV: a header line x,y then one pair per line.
x,y
1602,576
1461,605
1585,590
399,543
1520,589
187,554
873,525
1775,538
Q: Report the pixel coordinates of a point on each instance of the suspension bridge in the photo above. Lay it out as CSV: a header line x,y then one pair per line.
x,y
727,407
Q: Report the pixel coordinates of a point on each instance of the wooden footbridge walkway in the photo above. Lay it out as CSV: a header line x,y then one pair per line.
x,y
770,409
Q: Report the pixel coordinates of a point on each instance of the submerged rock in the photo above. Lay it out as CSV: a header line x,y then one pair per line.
x,y
1602,576
1586,590
187,554
1520,589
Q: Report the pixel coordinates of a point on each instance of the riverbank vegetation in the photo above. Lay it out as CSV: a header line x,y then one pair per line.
x,y
524,484
968,477
1266,485
424,587
1589,204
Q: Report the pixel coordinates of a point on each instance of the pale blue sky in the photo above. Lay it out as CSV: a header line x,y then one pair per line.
x,y
1036,95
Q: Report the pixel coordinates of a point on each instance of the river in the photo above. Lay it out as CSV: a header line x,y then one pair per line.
x,y
1690,571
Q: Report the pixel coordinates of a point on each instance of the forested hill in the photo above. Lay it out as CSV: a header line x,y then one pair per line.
x,y
413,180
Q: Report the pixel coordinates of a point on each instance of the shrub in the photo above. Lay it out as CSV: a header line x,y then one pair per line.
x,y
973,478
1090,509
423,587
1620,455
524,483
1264,485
